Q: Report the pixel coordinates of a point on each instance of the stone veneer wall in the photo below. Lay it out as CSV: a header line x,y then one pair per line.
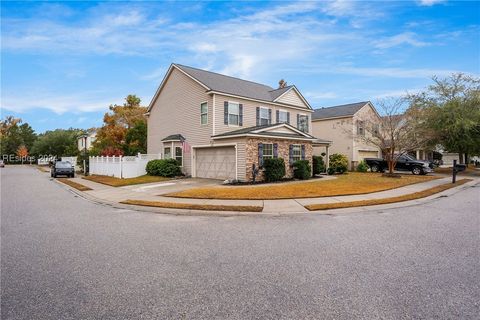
x,y
251,154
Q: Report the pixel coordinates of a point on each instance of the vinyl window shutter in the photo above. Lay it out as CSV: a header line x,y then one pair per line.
x,y
288,117
290,155
278,116
275,150
225,112
303,152
269,116
298,121
260,154
240,114
307,126
258,116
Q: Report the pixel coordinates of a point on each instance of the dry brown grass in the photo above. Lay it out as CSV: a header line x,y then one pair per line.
x,y
470,171
193,206
43,168
117,182
74,184
347,184
407,197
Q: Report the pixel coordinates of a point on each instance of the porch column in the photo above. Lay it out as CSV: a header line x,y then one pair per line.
x,y
418,154
327,155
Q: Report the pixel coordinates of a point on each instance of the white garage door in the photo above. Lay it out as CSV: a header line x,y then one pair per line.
x,y
215,163
367,154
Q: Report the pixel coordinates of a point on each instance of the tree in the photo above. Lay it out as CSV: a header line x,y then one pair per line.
x,y
58,143
13,135
450,107
136,139
395,132
117,122
22,152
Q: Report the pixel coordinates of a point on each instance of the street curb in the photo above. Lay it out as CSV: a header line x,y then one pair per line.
x,y
328,212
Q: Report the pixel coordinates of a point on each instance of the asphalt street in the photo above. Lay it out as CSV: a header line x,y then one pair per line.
x,y
63,257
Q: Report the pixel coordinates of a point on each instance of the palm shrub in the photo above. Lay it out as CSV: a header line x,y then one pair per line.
x,y
318,164
274,169
163,168
302,169
339,162
362,167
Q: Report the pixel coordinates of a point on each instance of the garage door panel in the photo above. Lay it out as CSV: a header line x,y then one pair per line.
x,y
216,163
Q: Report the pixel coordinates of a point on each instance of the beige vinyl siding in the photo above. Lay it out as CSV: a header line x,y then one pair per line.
x,y
339,131
177,111
368,116
291,97
250,113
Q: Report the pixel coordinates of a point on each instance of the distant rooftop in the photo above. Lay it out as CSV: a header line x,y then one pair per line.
x,y
343,110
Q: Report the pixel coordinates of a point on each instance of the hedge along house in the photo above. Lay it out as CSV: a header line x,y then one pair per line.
x,y
219,127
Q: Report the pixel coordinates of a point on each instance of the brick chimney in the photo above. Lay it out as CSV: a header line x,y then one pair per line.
x,y
282,84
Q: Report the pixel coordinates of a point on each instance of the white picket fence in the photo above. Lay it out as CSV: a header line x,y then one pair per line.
x,y
121,167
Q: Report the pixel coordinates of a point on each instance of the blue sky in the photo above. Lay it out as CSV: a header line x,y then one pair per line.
x,y
64,63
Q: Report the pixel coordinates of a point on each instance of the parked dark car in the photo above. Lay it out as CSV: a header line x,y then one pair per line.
x,y
62,168
404,163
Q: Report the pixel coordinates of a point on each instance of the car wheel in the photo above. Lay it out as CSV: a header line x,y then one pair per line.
x,y
417,170
374,168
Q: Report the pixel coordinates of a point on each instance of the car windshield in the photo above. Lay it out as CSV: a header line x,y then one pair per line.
x,y
409,157
63,164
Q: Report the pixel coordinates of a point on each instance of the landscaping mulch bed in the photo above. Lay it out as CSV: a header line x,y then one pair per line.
x,y
192,206
74,184
372,202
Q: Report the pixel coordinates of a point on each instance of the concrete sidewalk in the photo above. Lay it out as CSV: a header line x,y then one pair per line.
x,y
104,193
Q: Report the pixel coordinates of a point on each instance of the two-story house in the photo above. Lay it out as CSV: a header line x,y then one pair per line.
x,y
86,140
345,125
220,127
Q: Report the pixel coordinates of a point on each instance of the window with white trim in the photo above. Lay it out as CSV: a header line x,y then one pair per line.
x,y
264,116
303,123
204,113
179,156
282,116
167,152
297,152
233,113
267,151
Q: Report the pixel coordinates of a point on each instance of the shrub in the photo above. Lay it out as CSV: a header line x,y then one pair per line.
x,y
302,169
362,167
318,164
163,168
339,162
330,171
274,169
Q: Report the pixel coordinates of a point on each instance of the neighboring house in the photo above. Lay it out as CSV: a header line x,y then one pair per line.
x,y
85,141
218,126
343,125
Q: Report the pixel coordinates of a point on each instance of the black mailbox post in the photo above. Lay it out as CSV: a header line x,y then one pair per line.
x,y
457,168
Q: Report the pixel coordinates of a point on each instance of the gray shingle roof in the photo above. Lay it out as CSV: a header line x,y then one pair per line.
x,y
338,111
174,137
235,86
267,133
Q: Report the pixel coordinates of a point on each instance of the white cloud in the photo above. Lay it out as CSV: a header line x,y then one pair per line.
x,y
429,3
409,38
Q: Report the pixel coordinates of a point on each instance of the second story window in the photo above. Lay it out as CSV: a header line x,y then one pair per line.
x,y
360,128
282,117
233,114
204,113
264,116
302,122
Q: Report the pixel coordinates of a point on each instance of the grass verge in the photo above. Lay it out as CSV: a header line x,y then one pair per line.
x,y
43,168
117,182
74,184
470,171
193,206
346,184
372,202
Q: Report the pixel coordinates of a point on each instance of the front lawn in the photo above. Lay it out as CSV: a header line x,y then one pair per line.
x,y
470,171
346,184
117,182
